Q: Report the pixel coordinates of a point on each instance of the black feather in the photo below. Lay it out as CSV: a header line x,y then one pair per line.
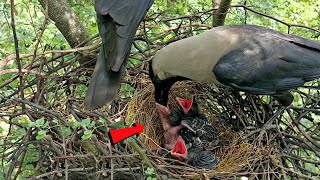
x,y
269,62
117,22
201,158
205,135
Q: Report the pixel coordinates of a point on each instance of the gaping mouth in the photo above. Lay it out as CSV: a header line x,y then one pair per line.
x,y
179,150
185,104
163,109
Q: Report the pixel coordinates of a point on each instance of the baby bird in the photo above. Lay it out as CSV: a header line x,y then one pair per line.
x,y
196,122
200,158
182,142
197,134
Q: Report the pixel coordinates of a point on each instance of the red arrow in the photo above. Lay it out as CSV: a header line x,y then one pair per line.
x,y
117,135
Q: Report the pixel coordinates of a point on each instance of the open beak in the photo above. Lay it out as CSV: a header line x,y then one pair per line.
x,y
179,150
164,110
185,104
164,113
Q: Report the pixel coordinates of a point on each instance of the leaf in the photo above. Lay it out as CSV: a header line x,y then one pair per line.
x,y
32,124
117,125
92,124
41,135
87,135
149,171
39,122
75,124
126,91
65,131
46,124
86,122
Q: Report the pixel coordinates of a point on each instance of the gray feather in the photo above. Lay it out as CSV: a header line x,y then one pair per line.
x,y
127,15
104,84
118,21
268,62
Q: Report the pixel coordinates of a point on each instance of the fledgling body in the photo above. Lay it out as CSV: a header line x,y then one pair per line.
x,y
181,141
199,133
195,122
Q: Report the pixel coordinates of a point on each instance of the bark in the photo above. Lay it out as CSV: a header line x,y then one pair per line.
x,y
66,21
220,14
216,3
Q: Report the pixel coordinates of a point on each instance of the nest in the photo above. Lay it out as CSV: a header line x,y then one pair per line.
x,y
251,128
233,151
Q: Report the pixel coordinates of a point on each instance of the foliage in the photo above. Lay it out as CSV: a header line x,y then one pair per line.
x,y
150,173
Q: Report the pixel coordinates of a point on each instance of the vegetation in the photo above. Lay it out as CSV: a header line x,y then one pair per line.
x,y
46,133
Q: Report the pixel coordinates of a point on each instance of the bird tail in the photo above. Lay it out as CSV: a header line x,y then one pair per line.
x,y
104,84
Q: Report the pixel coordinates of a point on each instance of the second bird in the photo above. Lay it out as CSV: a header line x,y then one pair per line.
x,y
118,22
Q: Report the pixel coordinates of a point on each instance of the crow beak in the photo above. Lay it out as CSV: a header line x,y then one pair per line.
x,y
161,91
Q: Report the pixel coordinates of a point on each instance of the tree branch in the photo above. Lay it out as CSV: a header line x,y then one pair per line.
x,y
66,21
220,15
16,45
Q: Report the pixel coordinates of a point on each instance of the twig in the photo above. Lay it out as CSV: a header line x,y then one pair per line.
x,y
10,71
143,155
63,52
42,28
37,106
275,19
296,121
16,45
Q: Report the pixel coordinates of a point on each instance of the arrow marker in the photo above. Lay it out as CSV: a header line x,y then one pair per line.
x,y
117,135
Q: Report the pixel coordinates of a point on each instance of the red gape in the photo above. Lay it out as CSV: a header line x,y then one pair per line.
x,y
185,104
173,140
179,150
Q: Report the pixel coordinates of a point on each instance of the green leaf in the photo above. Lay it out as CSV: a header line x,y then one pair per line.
x,y
46,124
41,135
65,131
102,121
24,121
1,175
92,124
87,135
86,122
32,124
117,125
126,91
149,171
75,124
39,122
